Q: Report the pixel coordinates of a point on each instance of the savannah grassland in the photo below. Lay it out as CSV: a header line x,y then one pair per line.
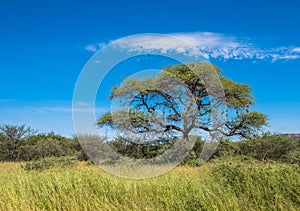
x,y
217,185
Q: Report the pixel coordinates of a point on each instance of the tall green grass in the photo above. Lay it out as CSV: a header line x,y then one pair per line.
x,y
218,185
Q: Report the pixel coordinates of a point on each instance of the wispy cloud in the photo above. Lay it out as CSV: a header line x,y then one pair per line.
x,y
296,49
94,48
91,48
207,44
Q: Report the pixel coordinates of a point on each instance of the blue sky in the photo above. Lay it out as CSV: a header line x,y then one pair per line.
x,y
45,44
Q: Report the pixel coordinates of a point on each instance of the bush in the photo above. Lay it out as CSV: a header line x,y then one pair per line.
x,y
267,147
47,145
272,147
50,162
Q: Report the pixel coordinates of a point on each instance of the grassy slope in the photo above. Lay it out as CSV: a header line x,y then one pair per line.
x,y
220,185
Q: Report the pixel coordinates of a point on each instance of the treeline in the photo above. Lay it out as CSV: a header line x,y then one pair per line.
x,y
272,147
266,147
22,143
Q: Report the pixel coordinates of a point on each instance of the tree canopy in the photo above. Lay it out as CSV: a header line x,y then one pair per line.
x,y
177,101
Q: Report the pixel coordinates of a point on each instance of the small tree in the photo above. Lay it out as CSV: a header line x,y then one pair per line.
x,y
11,140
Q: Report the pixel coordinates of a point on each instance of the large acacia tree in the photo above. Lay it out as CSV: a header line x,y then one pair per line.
x,y
177,101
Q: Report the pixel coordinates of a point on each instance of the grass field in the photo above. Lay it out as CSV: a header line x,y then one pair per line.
x,y
218,185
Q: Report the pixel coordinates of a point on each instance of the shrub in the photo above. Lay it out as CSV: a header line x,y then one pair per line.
x,y
271,147
50,162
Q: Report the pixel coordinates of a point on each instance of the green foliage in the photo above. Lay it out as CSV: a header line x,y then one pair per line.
x,y
50,162
272,147
145,97
105,119
237,95
267,147
141,150
47,145
38,146
247,124
21,143
17,133
227,149
10,140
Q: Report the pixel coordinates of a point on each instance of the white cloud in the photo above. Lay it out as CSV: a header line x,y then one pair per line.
x,y
207,44
91,48
101,45
94,48
296,49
